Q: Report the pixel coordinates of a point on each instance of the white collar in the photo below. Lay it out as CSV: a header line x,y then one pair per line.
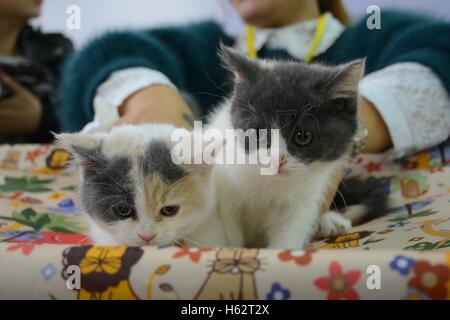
x,y
296,39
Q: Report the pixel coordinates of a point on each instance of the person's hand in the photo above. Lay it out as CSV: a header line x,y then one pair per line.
x,y
379,138
156,104
21,113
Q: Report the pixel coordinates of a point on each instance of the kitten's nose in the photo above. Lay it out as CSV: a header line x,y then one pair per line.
x,y
147,237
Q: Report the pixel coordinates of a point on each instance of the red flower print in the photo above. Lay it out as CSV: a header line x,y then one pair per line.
x,y
36,153
30,200
385,231
430,279
435,170
300,257
338,284
13,196
415,239
65,238
51,238
408,164
193,253
26,248
373,166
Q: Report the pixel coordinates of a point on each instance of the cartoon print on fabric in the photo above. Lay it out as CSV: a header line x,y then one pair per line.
x,y
105,271
11,160
411,185
431,227
349,240
55,162
232,276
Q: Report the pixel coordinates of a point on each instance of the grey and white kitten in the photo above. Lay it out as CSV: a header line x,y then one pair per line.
x,y
315,109
134,194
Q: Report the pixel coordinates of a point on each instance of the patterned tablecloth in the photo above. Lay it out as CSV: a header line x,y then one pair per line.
x,y
45,254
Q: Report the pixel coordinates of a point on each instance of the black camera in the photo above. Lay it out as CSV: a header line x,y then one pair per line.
x,y
35,78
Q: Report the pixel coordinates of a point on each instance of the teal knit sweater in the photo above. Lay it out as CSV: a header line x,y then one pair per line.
x,y
187,55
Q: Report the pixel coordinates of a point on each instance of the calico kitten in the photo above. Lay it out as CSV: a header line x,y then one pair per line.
x,y
315,109
134,194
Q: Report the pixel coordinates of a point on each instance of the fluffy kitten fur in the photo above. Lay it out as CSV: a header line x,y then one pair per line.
x,y
315,108
130,187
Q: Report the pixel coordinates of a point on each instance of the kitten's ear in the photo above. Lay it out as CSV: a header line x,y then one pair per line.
x,y
346,80
84,147
244,69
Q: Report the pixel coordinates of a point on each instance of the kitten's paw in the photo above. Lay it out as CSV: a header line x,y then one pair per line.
x,y
332,224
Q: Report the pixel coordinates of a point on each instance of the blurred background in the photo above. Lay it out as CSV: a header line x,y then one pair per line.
x,y
100,15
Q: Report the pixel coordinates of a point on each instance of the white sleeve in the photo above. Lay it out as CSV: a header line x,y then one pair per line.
x,y
116,89
412,102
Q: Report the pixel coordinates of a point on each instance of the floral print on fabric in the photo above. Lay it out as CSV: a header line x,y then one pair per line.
x,y
44,244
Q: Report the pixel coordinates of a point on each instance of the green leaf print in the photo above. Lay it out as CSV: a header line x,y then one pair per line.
x,y
70,188
28,213
419,214
46,221
42,221
26,183
63,223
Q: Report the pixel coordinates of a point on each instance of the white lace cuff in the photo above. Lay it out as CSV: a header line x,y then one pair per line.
x,y
116,89
412,102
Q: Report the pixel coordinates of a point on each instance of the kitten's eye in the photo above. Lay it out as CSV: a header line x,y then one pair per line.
x,y
169,211
124,211
303,138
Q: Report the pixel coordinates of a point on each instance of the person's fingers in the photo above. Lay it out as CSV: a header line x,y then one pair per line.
x,y
112,125
7,103
116,123
13,85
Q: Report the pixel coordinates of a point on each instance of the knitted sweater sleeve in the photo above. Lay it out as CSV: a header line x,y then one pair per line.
x,y
402,38
187,55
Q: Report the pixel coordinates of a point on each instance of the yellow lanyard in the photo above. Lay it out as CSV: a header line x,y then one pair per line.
x,y
320,30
